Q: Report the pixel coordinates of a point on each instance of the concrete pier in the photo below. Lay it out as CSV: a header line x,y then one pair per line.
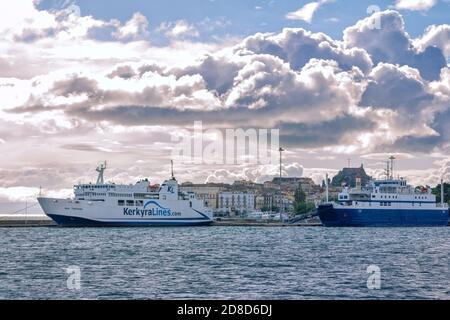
x,y
29,221
16,221
246,223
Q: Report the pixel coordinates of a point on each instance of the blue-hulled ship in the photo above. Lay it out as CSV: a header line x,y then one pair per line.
x,y
385,203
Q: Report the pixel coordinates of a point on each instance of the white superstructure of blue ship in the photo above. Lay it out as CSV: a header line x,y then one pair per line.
x,y
110,205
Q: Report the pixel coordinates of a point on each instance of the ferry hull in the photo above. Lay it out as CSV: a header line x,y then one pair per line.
x,y
75,222
71,213
364,217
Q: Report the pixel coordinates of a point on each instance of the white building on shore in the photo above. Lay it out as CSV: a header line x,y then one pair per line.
x,y
206,192
235,203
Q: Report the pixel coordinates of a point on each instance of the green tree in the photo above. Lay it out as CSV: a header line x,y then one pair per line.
x,y
437,191
300,196
303,207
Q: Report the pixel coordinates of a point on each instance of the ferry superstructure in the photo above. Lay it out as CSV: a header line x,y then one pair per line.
x,y
113,205
389,202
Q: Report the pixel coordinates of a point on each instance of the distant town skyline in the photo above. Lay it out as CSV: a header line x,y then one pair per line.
x,y
86,81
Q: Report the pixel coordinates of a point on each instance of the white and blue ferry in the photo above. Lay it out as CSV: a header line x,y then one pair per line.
x,y
110,205
389,202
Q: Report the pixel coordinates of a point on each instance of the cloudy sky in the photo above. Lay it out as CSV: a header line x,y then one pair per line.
x,y
85,81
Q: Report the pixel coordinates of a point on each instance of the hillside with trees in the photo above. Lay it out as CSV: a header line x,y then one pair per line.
x,y
348,177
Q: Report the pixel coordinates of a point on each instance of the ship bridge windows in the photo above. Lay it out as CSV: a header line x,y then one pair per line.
x,y
139,203
146,196
130,203
121,203
120,195
94,194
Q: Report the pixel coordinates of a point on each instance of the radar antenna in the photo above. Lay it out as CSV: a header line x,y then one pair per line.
x,y
101,169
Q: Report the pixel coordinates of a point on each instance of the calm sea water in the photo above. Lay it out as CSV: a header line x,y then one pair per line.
x,y
225,262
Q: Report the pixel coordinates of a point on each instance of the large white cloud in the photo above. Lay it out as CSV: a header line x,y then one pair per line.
x,y
179,29
36,42
415,4
298,46
384,37
435,35
297,80
135,28
257,174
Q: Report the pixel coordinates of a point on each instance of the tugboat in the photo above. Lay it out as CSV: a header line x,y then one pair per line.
x,y
111,205
385,203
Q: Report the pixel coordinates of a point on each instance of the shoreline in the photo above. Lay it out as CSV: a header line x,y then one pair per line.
x,y
42,221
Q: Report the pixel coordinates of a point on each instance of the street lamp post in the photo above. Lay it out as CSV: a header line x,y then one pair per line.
x,y
281,150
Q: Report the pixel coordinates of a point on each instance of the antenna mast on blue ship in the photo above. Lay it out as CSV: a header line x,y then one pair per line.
x,y
392,158
387,170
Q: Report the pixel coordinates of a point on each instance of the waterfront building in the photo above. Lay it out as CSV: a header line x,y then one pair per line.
x,y
207,192
307,185
231,203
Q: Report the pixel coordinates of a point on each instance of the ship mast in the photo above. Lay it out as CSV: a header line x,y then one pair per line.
x,y
387,170
171,169
392,158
